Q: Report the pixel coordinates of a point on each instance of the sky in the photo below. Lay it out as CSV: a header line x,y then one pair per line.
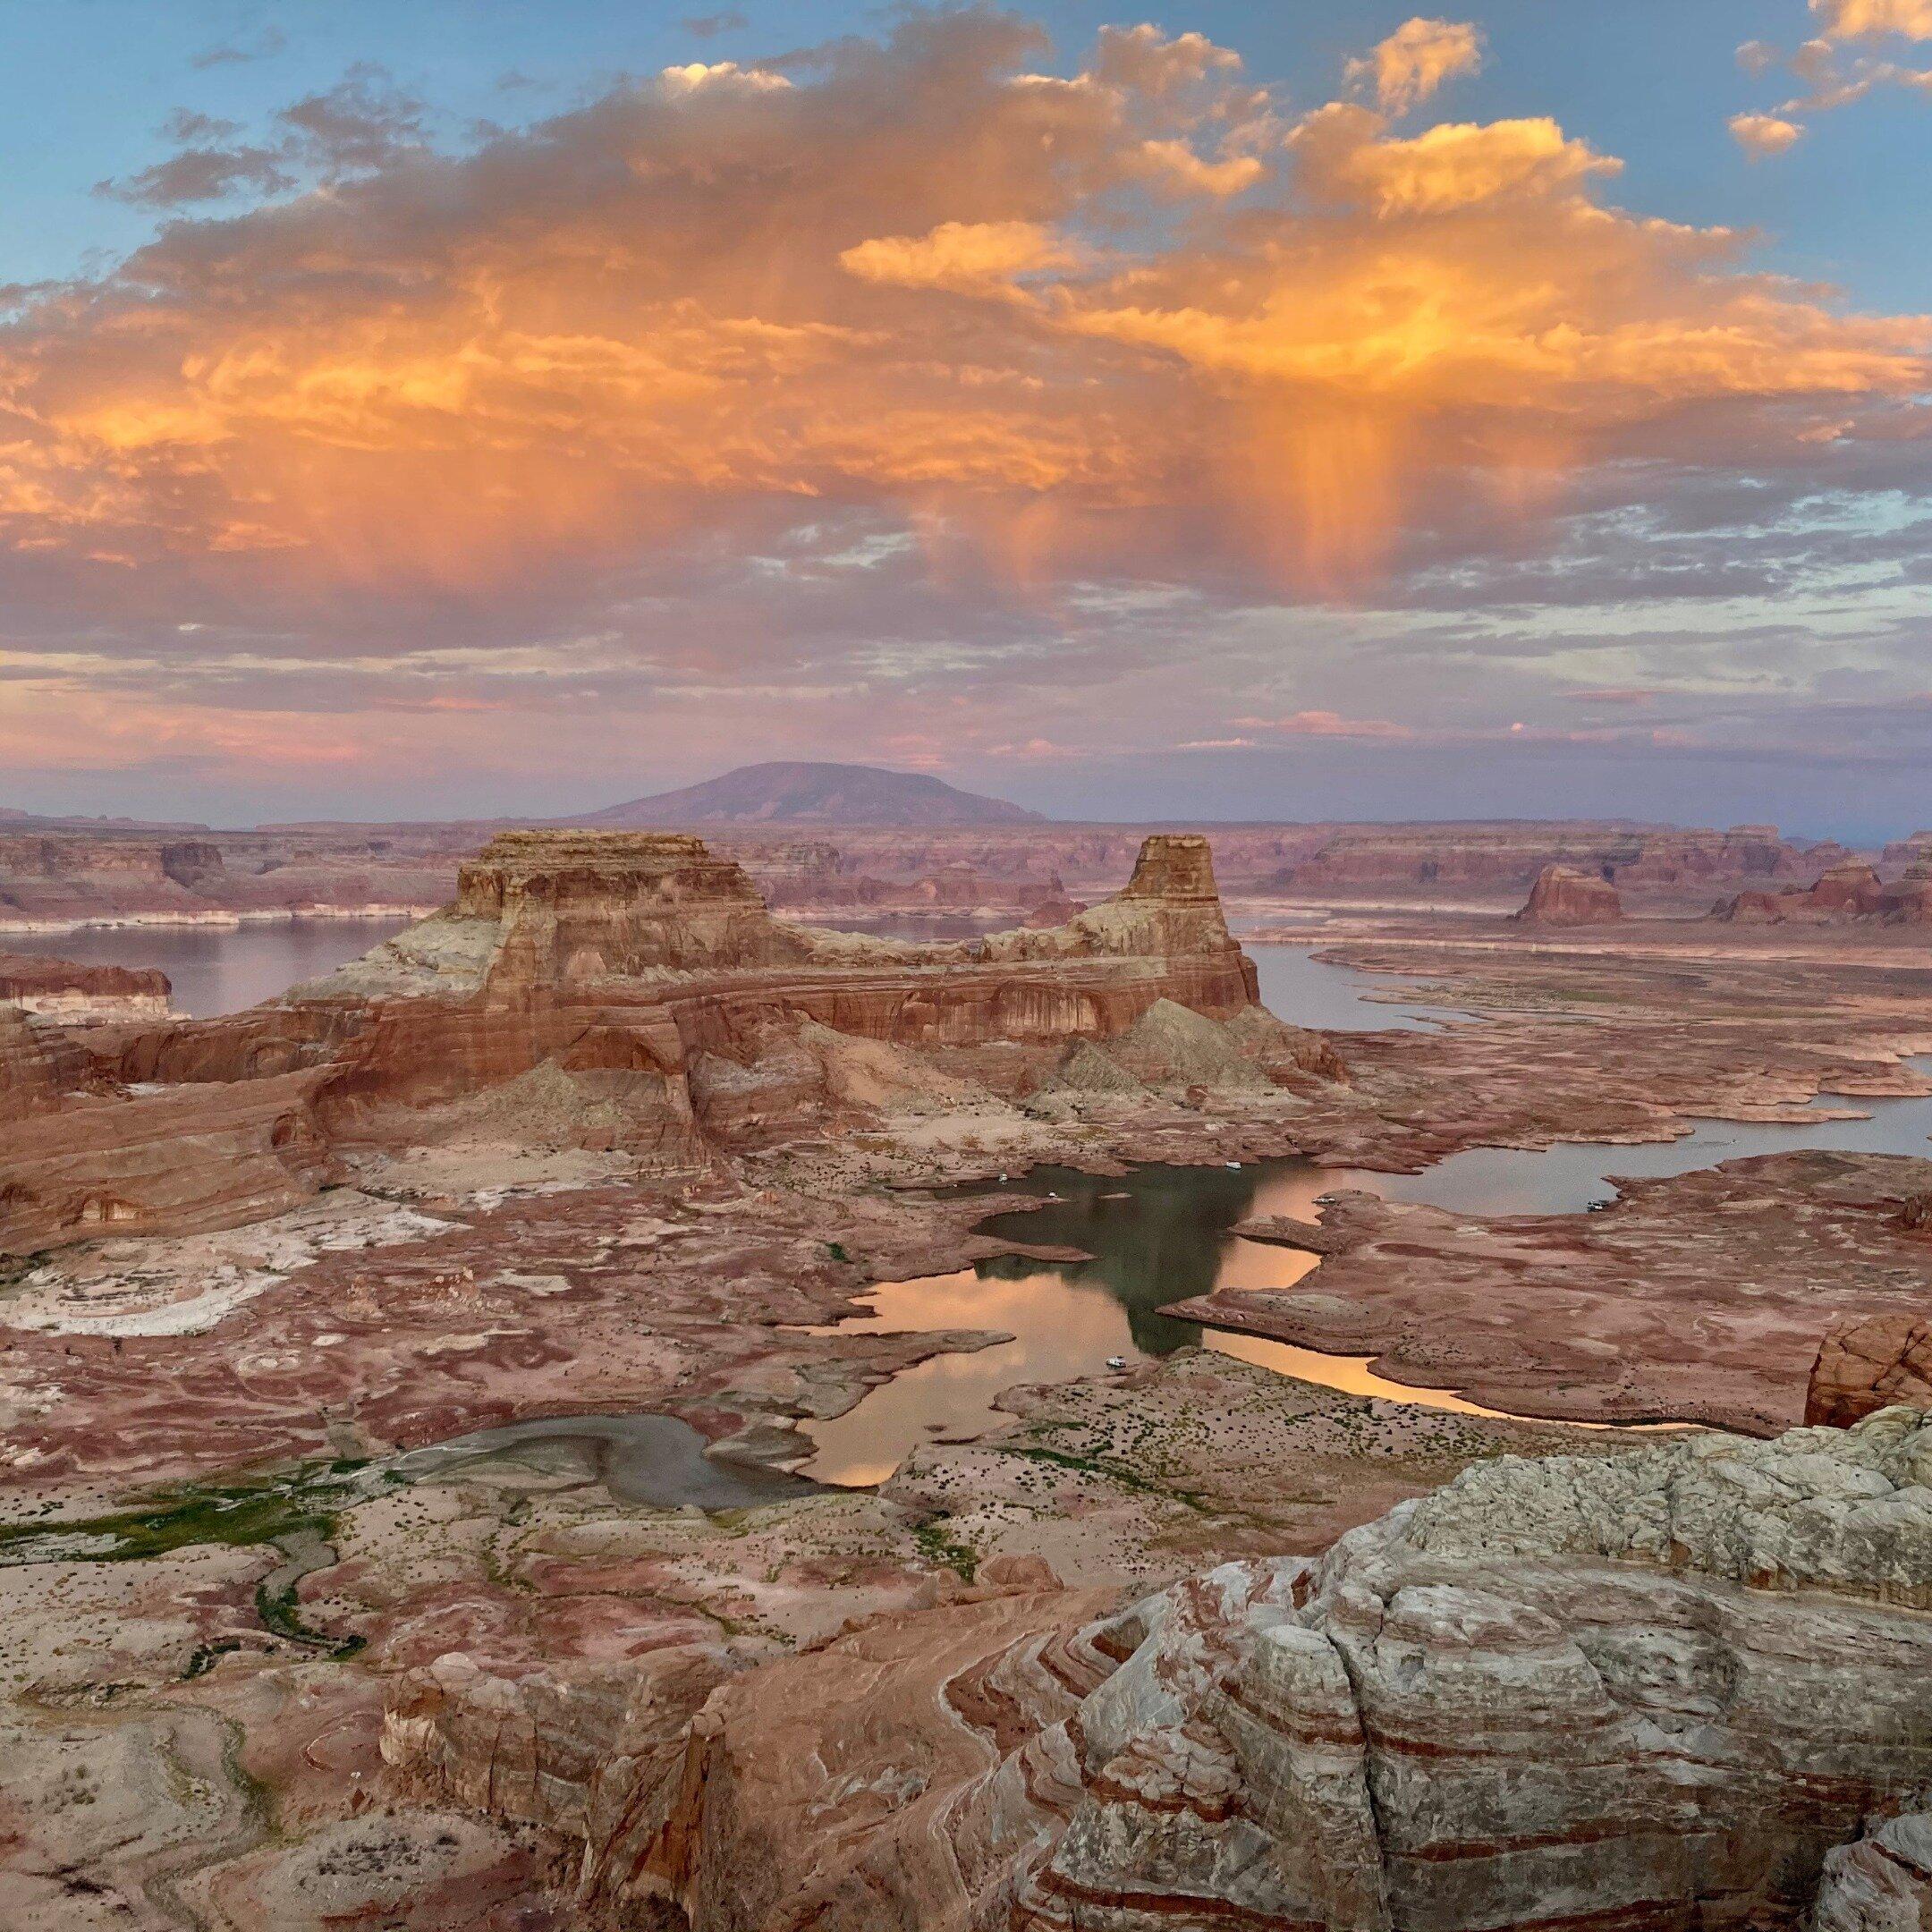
x,y
1271,410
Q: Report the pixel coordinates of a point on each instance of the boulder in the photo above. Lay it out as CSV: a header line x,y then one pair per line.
x,y
1866,1365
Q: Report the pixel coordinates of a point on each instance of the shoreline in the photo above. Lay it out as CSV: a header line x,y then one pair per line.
x,y
211,921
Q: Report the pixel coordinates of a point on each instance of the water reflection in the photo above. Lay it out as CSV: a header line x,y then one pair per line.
x,y
215,968
1156,1235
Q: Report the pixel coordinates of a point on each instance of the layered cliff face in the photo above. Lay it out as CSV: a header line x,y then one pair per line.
x,y
64,989
572,906
1845,893
1169,908
609,990
1565,896
1660,1690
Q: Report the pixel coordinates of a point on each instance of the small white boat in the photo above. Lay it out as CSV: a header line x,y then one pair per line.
x,y
1116,1361
1230,1163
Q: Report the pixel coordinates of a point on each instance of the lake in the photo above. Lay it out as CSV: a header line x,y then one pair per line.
x,y
219,969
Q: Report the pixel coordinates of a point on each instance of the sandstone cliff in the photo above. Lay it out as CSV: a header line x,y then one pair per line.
x,y
1680,1687
600,989
1565,896
64,989
1845,893
1870,1363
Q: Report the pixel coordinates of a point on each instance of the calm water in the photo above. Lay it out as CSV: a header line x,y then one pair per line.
x,y
1569,1177
1160,1235
1157,1235
1306,991
218,970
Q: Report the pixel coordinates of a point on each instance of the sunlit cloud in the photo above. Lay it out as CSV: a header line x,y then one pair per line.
x,y
936,367
1415,59
1759,135
1856,19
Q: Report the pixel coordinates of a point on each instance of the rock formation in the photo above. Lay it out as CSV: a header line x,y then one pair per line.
x,y
600,989
1845,893
64,989
1665,1689
1868,1364
1565,896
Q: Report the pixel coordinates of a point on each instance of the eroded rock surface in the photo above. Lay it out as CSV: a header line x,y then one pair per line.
x,y
606,990
1563,895
1656,1688
1869,1363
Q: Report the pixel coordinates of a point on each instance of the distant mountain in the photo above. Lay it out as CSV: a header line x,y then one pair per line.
x,y
784,793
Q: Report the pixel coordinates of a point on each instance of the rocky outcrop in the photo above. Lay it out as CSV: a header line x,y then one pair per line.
x,y
176,1161
1565,896
1883,1882
1660,1690
571,906
1866,1365
624,990
1846,893
66,990
1462,859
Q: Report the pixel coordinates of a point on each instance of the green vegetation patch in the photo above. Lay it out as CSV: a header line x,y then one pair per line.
x,y
241,1515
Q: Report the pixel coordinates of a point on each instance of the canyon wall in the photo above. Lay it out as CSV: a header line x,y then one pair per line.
x,y
585,989
1680,1686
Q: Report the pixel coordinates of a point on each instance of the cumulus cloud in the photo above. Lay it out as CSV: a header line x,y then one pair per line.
x,y
1827,76
1760,134
1860,20
913,366
1415,59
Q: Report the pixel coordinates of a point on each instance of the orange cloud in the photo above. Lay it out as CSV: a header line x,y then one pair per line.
x,y
1857,19
1759,134
722,305
975,257
1416,59
1448,167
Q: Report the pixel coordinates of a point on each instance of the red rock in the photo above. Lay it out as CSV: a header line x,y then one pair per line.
x,y
589,989
1565,896
1845,893
64,989
1866,1365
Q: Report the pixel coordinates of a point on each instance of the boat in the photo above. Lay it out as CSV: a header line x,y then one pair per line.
x,y
1116,1361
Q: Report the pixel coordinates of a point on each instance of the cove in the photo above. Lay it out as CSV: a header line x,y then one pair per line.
x,y
655,1459
1157,1235
1160,1235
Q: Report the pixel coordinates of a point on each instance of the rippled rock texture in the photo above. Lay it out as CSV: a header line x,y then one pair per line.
x,y
1674,1688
